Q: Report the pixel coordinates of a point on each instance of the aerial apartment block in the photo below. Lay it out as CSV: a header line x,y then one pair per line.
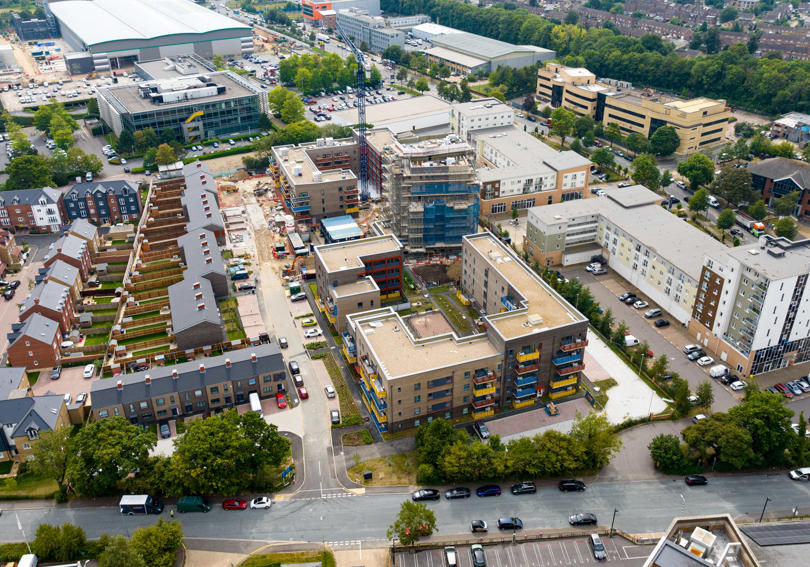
x,y
532,345
432,193
480,114
753,305
357,275
644,243
699,122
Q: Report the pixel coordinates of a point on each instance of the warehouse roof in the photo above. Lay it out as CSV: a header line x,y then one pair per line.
x,y
480,46
455,57
100,21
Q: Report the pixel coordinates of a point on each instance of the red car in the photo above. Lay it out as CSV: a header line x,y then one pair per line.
x,y
302,391
280,401
784,389
234,504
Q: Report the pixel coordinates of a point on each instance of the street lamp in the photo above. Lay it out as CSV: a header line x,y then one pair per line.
x,y
612,521
763,508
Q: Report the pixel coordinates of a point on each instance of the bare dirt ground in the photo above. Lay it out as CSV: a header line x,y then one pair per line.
x,y
429,324
227,163
432,273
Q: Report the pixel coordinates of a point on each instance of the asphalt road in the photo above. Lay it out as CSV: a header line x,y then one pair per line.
x,y
642,507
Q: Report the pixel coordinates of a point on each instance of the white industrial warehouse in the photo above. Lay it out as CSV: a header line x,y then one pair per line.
x,y
107,34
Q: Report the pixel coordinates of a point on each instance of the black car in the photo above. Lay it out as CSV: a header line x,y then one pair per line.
x,y
426,494
459,492
14,284
696,354
631,300
571,485
626,295
527,487
294,368
673,200
479,526
246,287
3,283
8,294
696,480
510,524
582,520
662,323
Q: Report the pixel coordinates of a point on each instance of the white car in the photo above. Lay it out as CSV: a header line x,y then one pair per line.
x,y
592,267
737,386
641,304
330,391
705,360
261,503
312,333
89,371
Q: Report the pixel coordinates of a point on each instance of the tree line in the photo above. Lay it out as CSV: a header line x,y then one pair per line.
x,y
312,74
769,84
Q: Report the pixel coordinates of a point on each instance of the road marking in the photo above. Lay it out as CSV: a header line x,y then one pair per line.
x,y
551,552
579,553
565,553
642,556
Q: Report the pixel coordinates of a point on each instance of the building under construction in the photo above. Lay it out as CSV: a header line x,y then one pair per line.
x,y
432,195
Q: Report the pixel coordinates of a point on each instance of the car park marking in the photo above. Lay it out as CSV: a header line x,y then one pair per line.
x,y
628,556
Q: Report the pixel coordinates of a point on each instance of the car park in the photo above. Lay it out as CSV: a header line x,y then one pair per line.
x,y
330,391
526,487
696,480
571,485
334,416
488,490
479,558
261,503
510,524
582,519
458,492
281,401
478,526
661,323
705,360
425,494
234,504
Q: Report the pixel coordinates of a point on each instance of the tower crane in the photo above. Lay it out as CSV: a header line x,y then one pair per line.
x,y
361,113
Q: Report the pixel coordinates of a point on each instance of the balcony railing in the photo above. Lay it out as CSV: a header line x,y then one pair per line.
x,y
486,402
570,369
521,394
524,368
483,413
565,358
483,378
372,396
368,366
522,381
528,355
560,382
566,346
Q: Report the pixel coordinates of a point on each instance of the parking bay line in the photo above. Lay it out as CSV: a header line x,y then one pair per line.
x,y
628,556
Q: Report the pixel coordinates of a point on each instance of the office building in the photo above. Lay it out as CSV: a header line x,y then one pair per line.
x,y
357,275
361,27
104,201
34,343
533,345
777,177
480,114
203,106
648,246
196,320
518,171
699,122
32,210
206,386
793,126
753,306
116,33
432,193
317,180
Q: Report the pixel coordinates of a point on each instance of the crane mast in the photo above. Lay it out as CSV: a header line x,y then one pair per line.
x,y
361,113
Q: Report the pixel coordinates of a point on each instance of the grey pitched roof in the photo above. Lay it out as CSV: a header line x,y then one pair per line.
x,y
51,295
38,327
202,255
84,229
196,167
70,245
781,168
30,196
268,359
10,378
38,412
200,179
119,187
62,271
188,310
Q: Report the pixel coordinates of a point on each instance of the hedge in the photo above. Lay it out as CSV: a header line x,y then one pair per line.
x,y
222,153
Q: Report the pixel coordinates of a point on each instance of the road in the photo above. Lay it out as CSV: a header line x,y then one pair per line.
x,y
642,507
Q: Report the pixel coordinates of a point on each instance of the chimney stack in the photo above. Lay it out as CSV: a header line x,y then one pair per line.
x,y
198,295
119,385
200,306
174,373
227,363
36,300
202,368
253,356
196,285
147,379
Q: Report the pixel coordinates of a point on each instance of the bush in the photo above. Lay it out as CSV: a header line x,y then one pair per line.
x,y
426,474
12,551
221,153
666,453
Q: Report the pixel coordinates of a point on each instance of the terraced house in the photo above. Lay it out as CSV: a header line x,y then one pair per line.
x,y
104,201
33,210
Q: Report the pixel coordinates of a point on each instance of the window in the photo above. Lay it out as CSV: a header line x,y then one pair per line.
x,y
417,399
417,387
144,405
252,382
214,390
417,411
197,393
201,404
160,402
103,413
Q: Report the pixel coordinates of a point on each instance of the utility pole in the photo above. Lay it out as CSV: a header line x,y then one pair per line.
x,y
612,521
763,509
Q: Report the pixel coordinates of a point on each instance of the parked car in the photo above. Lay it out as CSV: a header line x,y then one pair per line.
x,y
696,480
246,287
56,372
794,388
330,391
234,504
302,393
661,323
334,417
688,349
525,487
623,183
294,368
8,294
488,490
80,399
479,559
14,284
652,313
510,524
737,386
593,266
631,300
281,401
309,322
478,526
459,492
282,342
597,547
584,519
640,304
89,371
482,429
165,432
261,503
425,494
298,296
705,360
599,272
312,333
626,295
571,485
696,355
800,474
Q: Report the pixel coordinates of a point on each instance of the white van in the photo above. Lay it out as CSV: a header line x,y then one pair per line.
x,y
630,340
713,202
28,560
800,474
718,371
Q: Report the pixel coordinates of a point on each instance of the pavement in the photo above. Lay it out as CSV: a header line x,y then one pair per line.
x,y
536,421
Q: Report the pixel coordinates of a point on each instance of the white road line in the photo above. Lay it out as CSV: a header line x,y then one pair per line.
x,y
564,552
551,553
525,557
537,548
576,546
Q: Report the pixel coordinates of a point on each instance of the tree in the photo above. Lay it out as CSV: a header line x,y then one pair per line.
x,y
758,211
722,437
165,155
602,157
583,125
734,185
433,438
595,435
293,109
704,395
58,544
637,142
414,521
464,462
576,146
277,97
768,421
421,85
698,169
786,227
158,543
666,179
666,453
664,141
680,395
659,367
782,149
726,219
375,78
699,201
51,454
515,213
645,171
119,553
402,74
800,451
562,122
760,145
28,172
806,153
221,455
618,334
146,138
613,132
92,107
728,14
786,204
105,452
126,142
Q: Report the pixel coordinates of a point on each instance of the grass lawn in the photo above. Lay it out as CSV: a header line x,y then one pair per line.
x,y
5,466
388,471
357,438
229,303
153,300
94,340
110,285
145,315
149,326
28,486
151,350
273,559
471,313
33,377
105,312
455,316
440,289
134,340
347,406
102,300
604,386
236,334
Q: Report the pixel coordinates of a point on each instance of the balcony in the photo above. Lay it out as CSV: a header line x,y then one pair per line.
x,y
483,413
524,368
562,393
560,359
525,356
522,381
509,302
368,367
570,345
560,382
486,402
522,394
349,354
570,369
368,391
379,419
483,377
484,391
522,403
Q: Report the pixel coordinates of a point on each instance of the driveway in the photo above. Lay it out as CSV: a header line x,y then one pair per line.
x,y
70,382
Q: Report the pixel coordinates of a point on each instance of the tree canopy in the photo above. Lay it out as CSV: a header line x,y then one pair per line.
x,y
645,171
698,169
664,141
414,521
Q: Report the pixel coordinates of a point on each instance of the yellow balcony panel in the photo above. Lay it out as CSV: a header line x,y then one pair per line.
x,y
350,358
523,357
483,414
564,382
352,209
562,394
484,391
372,384
372,408
523,404
329,317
